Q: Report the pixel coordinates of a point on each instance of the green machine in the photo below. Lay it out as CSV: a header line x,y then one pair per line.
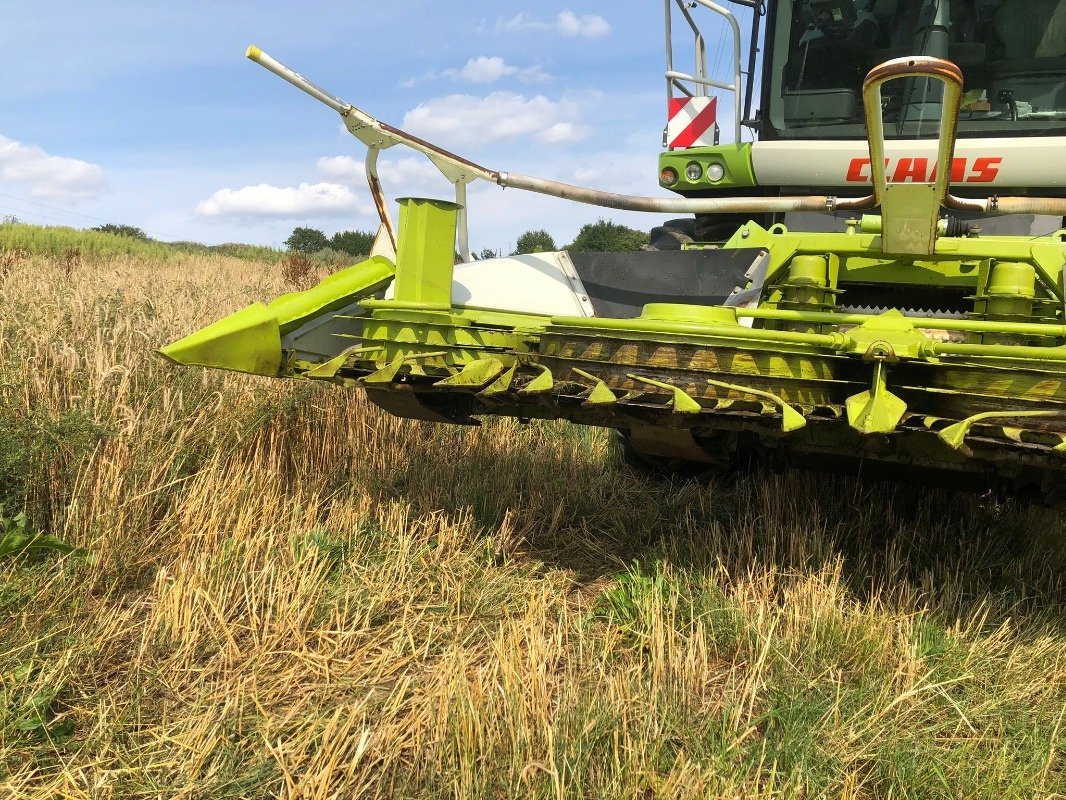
x,y
875,284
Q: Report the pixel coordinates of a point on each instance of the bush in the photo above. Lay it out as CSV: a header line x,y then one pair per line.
x,y
307,240
355,243
298,271
605,236
539,241
37,448
123,230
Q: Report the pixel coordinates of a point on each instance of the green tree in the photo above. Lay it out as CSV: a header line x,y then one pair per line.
x,y
307,240
487,253
354,243
539,241
605,236
123,230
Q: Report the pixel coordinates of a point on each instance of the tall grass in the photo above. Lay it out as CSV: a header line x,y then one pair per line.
x,y
288,593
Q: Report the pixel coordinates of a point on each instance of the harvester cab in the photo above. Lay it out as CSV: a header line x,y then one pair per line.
x,y
874,282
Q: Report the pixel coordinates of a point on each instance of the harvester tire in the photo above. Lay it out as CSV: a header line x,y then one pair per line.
x,y
672,234
718,227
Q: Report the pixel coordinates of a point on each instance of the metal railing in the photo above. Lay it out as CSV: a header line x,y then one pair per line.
x,y
697,83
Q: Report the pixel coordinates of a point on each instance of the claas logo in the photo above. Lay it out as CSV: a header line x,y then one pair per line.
x,y
924,170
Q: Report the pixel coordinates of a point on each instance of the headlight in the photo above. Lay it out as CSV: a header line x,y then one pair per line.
x,y
715,173
693,171
668,176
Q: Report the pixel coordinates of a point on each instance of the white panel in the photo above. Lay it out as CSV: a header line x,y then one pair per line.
x,y
539,283
981,163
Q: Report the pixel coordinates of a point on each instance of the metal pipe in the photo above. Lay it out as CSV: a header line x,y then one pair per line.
x,y
753,50
679,205
681,76
700,47
374,133
669,51
462,222
725,12
912,67
297,80
1004,206
967,325
832,341
1020,352
371,166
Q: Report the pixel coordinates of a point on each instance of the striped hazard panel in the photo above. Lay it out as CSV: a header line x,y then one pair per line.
x,y
692,121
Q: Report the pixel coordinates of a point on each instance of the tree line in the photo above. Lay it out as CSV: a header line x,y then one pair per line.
x,y
601,236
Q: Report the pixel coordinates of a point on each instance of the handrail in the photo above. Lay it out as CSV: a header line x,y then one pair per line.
x,y
701,78
951,76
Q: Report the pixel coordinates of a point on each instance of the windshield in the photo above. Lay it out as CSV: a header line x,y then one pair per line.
x,y
1012,53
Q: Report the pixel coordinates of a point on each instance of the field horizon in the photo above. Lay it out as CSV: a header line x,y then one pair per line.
x,y
280,591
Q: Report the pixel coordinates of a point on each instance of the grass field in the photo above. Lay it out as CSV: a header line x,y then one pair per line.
x,y
285,592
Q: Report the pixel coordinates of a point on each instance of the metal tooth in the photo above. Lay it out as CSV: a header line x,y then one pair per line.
x,y
329,369
600,394
955,435
877,410
501,385
540,384
925,313
387,373
474,375
791,419
682,403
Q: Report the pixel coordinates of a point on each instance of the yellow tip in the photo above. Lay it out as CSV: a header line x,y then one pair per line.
x,y
253,52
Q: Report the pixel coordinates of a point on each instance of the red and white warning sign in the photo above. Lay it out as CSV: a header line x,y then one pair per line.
x,y
692,121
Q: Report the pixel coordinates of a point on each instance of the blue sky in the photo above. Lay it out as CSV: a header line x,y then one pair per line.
x,y
149,114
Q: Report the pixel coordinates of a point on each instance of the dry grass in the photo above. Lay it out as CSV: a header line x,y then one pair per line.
x,y
290,594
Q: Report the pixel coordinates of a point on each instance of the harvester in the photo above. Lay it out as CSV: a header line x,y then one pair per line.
x,y
874,285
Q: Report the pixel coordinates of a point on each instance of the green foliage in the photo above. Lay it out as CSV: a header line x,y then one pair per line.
x,y
17,539
355,243
59,242
123,230
246,252
635,597
538,241
605,236
34,445
31,705
307,240
487,253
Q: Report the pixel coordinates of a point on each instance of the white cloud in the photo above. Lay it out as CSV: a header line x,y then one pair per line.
x,y
50,177
590,26
344,191
413,173
464,119
264,200
483,69
343,169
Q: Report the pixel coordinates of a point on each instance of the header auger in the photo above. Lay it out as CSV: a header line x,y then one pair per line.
x,y
904,342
